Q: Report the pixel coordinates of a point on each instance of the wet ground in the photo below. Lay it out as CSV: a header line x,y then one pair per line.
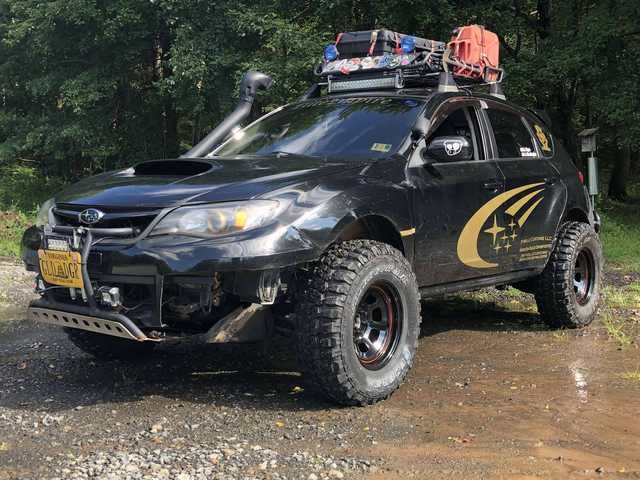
x,y
493,394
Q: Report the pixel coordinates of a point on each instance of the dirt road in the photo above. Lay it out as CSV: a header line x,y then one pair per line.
x,y
493,394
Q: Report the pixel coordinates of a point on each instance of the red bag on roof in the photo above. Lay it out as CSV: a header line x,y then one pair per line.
x,y
474,52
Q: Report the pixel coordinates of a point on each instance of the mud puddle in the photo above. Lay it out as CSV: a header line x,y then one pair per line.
x,y
495,394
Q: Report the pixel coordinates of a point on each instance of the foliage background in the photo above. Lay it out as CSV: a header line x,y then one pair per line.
x,y
90,85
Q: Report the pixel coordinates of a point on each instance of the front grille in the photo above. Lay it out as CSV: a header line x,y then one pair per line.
x,y
136,218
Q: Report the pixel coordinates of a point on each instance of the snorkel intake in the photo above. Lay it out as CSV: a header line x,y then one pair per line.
x,y
251,83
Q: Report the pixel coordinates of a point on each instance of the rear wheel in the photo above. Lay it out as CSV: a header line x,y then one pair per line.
x,y
358,322
568,290
105,347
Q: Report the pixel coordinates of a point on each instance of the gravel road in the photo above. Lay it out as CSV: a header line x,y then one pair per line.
x,y
493,394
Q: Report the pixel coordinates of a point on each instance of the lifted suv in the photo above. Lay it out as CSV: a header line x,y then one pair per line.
x,y
329,218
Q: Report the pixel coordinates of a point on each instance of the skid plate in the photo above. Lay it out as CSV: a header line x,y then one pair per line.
x,y
82,322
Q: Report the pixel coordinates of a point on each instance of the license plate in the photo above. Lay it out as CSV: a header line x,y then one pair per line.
x,y
61,268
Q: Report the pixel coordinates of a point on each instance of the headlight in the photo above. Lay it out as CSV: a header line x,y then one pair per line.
x,y
43,214
208,221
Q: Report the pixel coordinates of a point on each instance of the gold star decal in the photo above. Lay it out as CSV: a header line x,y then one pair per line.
x,y
507,246
495,229
512,224
513,236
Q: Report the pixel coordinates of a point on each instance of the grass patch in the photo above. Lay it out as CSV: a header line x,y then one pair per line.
x,y
626,297
621,227
12,226
621,234
616,330
634,376
561,335
620,303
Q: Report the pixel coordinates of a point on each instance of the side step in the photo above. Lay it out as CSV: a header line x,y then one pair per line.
x,y
83,322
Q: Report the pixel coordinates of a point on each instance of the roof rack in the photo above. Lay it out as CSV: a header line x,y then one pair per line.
x,y
381,59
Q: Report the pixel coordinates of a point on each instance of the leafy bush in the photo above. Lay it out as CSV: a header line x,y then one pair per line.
x,y
24,188
12,226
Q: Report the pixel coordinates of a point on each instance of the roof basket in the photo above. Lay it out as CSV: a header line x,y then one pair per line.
x,y
381,59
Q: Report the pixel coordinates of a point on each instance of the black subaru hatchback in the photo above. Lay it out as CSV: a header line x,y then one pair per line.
x,y
329,218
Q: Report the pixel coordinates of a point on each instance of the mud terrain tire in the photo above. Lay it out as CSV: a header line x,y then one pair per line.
x,y
568,290
356,287
104,347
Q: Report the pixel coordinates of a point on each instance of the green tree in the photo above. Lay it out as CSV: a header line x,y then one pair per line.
x,y
87,85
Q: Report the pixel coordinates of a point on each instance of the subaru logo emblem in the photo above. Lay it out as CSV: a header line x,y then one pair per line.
x,y
90,216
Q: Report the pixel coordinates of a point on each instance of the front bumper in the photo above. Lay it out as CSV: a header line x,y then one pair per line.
x,y
244,268
264,249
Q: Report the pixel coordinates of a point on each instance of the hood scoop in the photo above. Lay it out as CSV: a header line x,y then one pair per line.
x,y
171,168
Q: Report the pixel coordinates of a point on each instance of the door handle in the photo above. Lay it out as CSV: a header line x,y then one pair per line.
x,y
493,186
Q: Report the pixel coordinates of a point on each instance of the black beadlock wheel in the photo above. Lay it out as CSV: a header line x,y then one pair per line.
x,y
105,347
568,290
358,322
377,326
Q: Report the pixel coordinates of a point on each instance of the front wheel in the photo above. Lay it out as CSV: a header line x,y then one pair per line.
x,y
568,291
358,322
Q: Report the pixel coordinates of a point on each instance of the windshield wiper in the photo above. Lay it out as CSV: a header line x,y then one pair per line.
x,y
283,153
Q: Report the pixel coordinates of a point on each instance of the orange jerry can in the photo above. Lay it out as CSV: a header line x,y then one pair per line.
x,y
475,53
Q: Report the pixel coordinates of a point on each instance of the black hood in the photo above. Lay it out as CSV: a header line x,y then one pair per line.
x,y
163,183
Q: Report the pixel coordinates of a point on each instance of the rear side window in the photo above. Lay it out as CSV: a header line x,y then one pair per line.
x,y
511,134
544,139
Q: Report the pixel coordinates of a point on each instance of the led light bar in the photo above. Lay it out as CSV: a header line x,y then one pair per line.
x,y
372,83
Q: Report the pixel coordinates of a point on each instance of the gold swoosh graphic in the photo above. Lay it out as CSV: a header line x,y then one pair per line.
x,y
468,240
516,207
526,214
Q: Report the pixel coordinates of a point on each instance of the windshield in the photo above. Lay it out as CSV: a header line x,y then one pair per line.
x,y
329,127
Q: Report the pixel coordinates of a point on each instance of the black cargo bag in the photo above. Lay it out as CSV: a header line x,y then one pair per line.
x,y
372,43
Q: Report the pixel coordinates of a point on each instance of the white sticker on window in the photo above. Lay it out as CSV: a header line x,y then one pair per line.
x,y
527,152
381,147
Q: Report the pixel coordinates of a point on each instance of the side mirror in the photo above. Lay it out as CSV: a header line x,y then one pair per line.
x,y
448,149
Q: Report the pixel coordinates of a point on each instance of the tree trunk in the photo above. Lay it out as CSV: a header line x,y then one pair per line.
x,y
621,171
544,18
162,70
634,169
